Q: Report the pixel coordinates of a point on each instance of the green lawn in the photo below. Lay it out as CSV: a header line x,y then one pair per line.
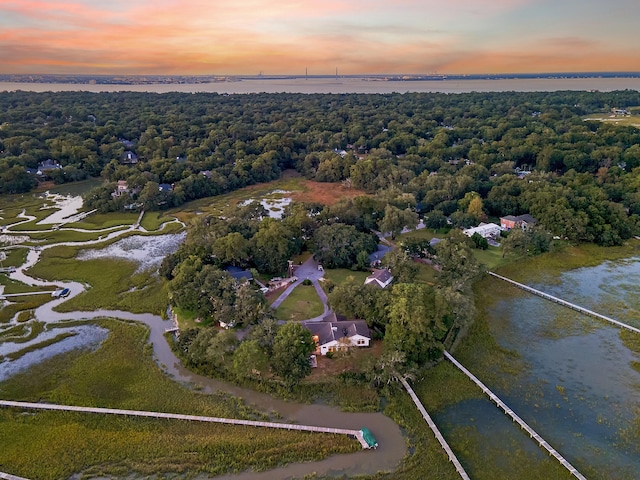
x,y
303,257
303,303
342,275
187,318
491,257
423,234
122,374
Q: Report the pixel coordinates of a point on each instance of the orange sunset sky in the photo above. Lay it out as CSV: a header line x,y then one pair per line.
x,y
212,37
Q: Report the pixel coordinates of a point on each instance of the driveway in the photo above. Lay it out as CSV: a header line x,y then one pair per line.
x,y
308,270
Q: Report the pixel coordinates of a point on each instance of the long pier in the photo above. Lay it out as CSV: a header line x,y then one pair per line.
x,y
194,418
436,432
532,433
8,476
564,303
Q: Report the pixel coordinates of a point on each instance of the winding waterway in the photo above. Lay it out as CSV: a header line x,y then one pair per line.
x,y
392,444
574,383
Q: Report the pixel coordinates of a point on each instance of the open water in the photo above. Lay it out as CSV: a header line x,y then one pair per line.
x,y
348,85
577,387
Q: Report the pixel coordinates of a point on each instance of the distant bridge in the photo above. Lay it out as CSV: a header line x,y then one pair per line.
x,y
564,303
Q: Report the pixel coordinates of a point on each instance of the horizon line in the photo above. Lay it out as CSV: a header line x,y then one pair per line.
x,y
304,74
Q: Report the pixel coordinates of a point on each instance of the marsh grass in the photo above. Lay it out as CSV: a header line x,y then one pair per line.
x,y
152,220
217,204
567,322
426,458
516,460
97,221
114,283
22,333
122,374
65,235
13,286
567,257
13,205
22,304
15,257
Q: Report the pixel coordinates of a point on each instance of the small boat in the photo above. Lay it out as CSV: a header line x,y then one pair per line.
x,y
369,438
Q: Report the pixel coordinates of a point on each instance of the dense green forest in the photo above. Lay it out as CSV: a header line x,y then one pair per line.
x,y
443,150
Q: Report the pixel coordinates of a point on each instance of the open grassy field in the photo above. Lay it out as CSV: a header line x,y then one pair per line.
x,y
343,275
301,304
76,188
491,258
122,374
632,120
301,190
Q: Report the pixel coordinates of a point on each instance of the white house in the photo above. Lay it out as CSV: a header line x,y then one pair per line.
x,y
380,278
486,230
334,336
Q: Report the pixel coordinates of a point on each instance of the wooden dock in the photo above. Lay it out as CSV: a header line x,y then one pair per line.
x,y
532,433
434,429
564,303
357,434
136,225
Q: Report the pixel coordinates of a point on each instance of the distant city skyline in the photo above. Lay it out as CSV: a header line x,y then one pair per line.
x,y
286,37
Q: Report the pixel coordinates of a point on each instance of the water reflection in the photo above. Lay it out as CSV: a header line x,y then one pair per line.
x,y
84,336
577,387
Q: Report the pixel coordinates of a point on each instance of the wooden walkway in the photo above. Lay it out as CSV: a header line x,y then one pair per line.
x,y
8,476
532,433
194,418
436,432
559,301
137,224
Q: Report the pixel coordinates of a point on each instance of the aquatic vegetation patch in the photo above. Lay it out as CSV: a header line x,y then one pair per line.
x,y
111,281
37,346
21,304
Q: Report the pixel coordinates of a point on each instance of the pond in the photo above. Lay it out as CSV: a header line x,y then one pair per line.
x,y
273,202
